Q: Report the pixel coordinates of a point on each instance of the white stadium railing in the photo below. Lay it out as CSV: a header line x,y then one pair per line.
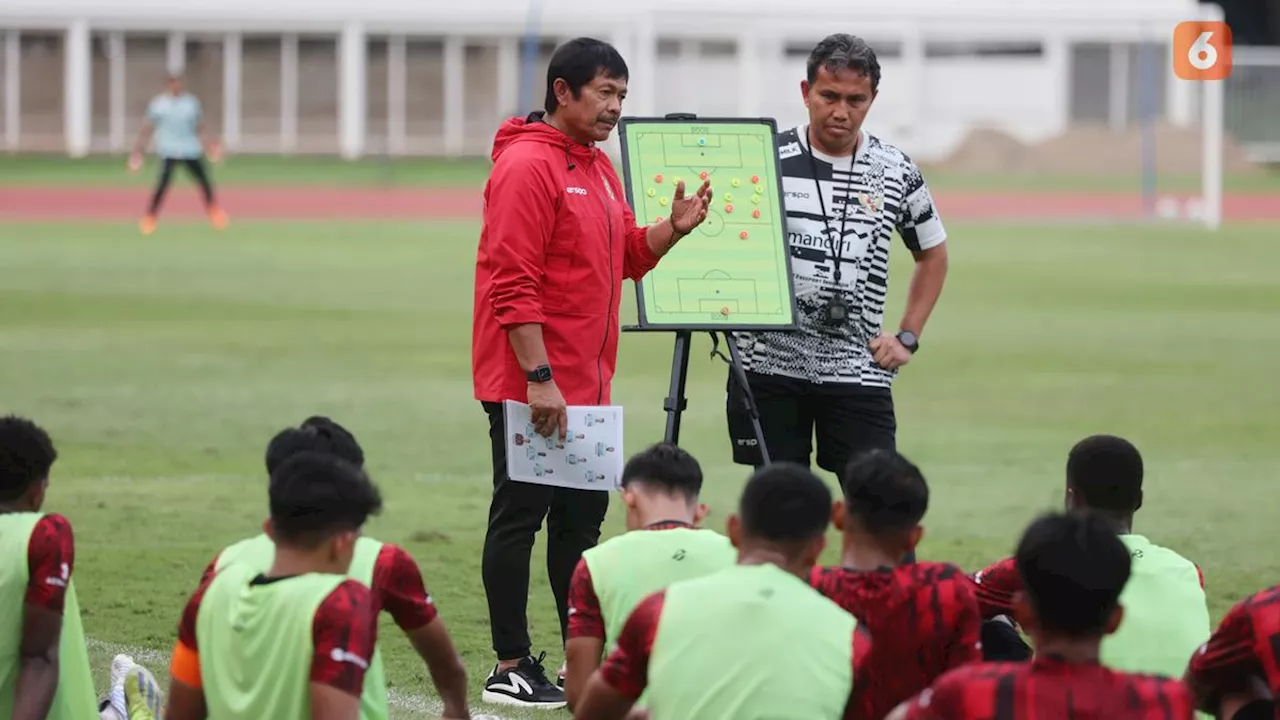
x,y
725,57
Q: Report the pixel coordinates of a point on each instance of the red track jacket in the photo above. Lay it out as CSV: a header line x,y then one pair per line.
x,y
558,238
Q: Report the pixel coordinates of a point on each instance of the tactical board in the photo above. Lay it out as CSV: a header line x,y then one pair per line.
x,y
734,271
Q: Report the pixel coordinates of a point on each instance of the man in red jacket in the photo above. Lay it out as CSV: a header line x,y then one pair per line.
x,y
557,242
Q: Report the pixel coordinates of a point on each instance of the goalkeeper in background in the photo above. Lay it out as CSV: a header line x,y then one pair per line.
x,y
176,119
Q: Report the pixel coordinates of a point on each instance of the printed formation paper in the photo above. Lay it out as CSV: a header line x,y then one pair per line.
x,y
589,458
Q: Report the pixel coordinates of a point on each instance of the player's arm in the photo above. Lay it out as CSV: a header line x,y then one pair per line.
x,y
144,132
212,147
1225,665
50,560
586,634
613,689
343,633
995,587
922,232
941,701
185,699
399,589
862,647
963,620
209,571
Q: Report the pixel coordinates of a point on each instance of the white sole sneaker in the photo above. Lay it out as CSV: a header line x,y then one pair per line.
x,y
121,666
497,698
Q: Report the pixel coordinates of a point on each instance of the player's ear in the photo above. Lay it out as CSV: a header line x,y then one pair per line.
x,y
733,526
700,513
814,551
629,498
268,529
914,537
837,515
1113,622
37,492
1022,612
804,91
1139,505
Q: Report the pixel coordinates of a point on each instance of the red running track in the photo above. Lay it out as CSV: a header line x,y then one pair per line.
x,y
36,204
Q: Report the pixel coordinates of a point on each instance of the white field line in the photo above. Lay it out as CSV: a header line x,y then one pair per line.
x,y
157,661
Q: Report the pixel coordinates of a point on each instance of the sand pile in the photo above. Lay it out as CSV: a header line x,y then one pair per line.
x,y
1089,150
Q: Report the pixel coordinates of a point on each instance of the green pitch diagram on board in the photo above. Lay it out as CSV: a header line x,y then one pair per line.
x,y
732,272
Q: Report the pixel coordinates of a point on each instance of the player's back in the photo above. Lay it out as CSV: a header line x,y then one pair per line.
x,y
750,642
30,543
256,638
257,554
1049,688
1245,644
628,568
927,611
1167,618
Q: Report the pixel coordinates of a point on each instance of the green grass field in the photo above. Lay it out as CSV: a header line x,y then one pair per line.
x,y
161,366
255,170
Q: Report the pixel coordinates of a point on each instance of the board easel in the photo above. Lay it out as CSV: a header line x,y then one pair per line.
x,y
676,401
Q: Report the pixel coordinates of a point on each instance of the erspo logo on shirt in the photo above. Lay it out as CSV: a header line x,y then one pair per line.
x,y
576,190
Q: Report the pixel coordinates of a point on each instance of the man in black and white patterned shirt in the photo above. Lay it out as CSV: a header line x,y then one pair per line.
x,y
841,187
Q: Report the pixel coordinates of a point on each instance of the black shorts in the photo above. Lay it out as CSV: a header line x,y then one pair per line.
x,y
848,419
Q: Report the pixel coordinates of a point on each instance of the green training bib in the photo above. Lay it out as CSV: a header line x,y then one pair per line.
x,y
752,642
75,698
259,552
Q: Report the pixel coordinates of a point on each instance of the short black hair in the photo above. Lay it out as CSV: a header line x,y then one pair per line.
x,y
666,467
316,434
1106,472
578,62
315,495
26,456
842,51
1073,567
785,502
885,492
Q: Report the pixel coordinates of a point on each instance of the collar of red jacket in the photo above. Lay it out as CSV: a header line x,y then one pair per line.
x,y
532,128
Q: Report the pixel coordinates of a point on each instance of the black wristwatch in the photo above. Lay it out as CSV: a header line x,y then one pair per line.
x,y
540,374
909,340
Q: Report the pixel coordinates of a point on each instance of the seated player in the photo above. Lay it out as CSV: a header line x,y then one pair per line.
x,y
388,570
1168,614
927,612
44,660
752,640
1236,674
660,488
293,642
1073,568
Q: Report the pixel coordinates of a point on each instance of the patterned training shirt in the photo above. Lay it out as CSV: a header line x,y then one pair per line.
x,y
883,193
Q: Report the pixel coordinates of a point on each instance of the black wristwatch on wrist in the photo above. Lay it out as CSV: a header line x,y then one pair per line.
x,y
540,374
909,341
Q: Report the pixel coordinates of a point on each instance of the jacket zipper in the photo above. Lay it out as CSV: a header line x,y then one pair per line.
x,y
608,316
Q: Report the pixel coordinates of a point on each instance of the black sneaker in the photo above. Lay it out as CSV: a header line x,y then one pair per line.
x,y
525,685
